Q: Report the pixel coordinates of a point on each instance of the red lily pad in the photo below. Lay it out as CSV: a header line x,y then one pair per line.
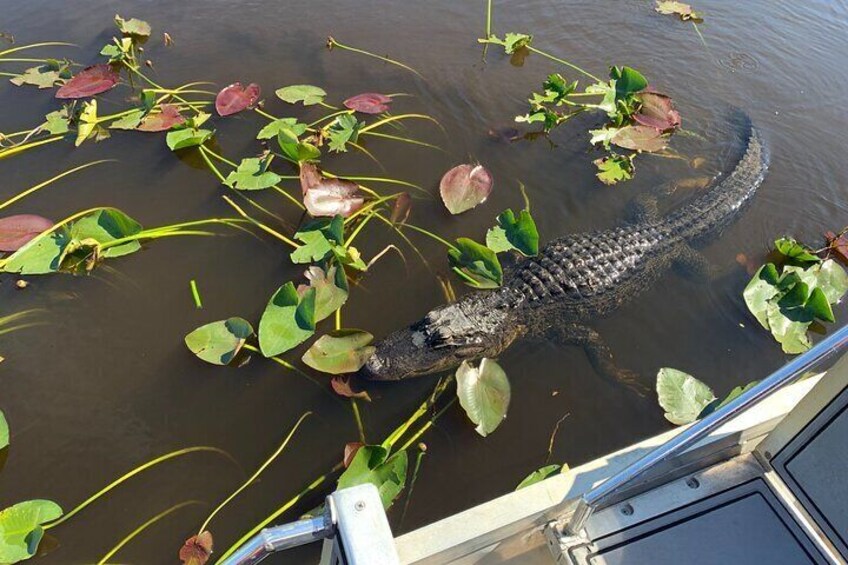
x,y
235,98
90,81
402,208
168,117
341,386
657,112
464,187
369,103
350,450
328,196
837,244
197,549
16,231
640,138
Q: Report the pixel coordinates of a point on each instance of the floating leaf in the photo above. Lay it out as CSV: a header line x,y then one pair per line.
x,y
684,11
197,549
219,342
760,290
87,123
21,528
107,225
236,98
331,289
167,117
130,121
640,138
288,320
837,244
282,125
791,334
350,450
614,168
795,251
43,76
657,111
305,93
41,255
514,233
681,395
339,352
4,431
515,41
371,464
464,187
133,26
368,103
476,264
57,122
328,197
401,209
341,386
540,475
15,231
627,81
253,174
343,130
90,81
319,238
732,395
188,137
831,279
484,394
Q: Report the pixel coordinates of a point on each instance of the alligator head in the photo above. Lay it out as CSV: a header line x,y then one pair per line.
x,y
441,341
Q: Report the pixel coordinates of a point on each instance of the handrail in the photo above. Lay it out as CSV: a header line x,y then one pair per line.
x,y
700,429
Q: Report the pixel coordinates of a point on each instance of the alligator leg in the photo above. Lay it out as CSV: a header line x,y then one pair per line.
x,y
599,355
692,264
643,208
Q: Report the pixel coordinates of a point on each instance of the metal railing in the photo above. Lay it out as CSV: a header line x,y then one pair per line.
x,y
787,374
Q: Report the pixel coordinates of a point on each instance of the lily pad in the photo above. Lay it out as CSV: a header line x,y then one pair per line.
x,y
21,528
90,81
339,352
476,264
40,256
306,93
760,290
17,230
627,81
331,289
167,117
4,431
56,122
515,41
43,76
319,238
188,137
682,10
371,464
539,475
328,197
681,395
614,168
640,138
107,225
288,320
657,111
343,130
341,386
253,174
465,187
514,233
236,98
197,549
401,208
133,26
368,103
484,393
219,342
282,125
795,251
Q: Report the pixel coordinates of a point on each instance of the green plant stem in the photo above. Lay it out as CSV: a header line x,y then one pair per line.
x,y
131,474
390,119
403,139
331,43
195,293
444,242
418,459
14,150
223,159
564,62
103,560
488,18
260,225
35,45
325,118
255,475
356,230
265,114
211,165
358,417
41,185
427,425
282,362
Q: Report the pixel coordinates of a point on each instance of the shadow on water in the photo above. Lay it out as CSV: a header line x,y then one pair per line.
x,y
108,384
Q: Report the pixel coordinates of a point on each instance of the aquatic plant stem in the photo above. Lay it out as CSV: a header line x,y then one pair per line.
x,y
332,43
563,62
15,149
444,242
35,45
39,186
131,474
255,475
489,18
390,119
195,293
421,454
356,416
143,527
259,224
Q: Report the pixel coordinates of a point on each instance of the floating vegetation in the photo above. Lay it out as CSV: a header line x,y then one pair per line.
x,y
484,393
686,399
680,9
541,474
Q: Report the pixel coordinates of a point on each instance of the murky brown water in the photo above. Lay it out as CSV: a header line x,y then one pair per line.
x,y
107,383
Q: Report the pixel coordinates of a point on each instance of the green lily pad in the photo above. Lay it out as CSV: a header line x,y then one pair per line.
x,y
187,137
371,464
760,290
340,352
320,237
832,279
681,395
108,225
540,475
627,81
305,93
614,168
514,233
252,174
21,528
484,393
791,334
133,26
4,431
795,251
219,342
288,320
476,264
515,41
344,129
41,255
331,289
289,127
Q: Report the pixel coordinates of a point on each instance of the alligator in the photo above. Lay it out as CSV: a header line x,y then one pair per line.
x,y
573,280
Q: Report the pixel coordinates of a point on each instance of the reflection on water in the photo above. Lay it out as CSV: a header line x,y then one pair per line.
x,y
108,383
